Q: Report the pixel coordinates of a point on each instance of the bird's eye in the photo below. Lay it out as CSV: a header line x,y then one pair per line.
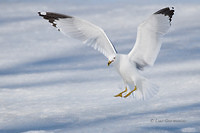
x,y
114,58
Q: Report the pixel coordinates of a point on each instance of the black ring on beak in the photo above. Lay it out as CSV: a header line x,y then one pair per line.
x,y
109,62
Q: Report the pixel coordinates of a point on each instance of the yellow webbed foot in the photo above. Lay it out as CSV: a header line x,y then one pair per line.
x,y
120,94
130,92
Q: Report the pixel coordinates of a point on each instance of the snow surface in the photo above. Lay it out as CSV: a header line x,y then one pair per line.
x,y
49,85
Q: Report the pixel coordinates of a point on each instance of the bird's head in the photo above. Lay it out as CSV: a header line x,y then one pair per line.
x,y
110,61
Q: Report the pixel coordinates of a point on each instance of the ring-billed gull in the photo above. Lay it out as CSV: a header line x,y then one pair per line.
x,y
144,52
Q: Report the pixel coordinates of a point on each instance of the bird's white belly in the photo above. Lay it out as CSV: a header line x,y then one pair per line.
x,y
126,69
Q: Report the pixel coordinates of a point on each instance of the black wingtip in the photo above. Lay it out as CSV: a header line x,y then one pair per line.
x,y
39,13
42,14
167,12
51,17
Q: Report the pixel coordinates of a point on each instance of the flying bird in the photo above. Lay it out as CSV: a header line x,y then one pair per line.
x,y
144,53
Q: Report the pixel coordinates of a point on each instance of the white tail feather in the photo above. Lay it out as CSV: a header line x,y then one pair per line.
x,y
145,89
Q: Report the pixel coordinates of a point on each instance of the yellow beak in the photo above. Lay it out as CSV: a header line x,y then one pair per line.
x,y
109,62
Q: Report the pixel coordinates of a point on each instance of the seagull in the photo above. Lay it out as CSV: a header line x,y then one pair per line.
x,y
144,53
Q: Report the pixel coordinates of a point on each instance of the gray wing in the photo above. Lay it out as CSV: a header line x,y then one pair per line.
x,y
82,30
149,35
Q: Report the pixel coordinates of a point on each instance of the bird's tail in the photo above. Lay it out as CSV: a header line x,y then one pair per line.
x,y
145,89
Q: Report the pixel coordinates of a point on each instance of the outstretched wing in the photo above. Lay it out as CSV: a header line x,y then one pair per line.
x,y
149,35
82,30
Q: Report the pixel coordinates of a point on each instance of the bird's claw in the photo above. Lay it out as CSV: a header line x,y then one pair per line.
x,y
130,92
120,94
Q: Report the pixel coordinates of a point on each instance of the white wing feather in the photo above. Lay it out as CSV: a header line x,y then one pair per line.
x,y
149,35
82,30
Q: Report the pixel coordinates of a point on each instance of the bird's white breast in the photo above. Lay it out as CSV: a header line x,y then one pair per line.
x,y
125,68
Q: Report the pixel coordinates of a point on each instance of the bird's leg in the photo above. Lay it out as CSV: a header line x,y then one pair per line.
x,y
120,94
130,92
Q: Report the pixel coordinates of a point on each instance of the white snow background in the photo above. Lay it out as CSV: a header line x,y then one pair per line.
x,y
50,83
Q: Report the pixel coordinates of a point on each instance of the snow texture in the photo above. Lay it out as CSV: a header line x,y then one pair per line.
x,y
49,85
